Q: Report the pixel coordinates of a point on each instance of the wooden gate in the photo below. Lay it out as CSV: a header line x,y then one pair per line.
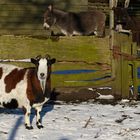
x,y
125,66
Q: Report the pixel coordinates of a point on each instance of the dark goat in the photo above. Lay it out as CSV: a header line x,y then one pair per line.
x,y
122,20
83,23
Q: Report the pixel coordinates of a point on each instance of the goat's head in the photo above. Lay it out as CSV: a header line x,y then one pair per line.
x,y
122,20
121,16
49,19
43,67
43,64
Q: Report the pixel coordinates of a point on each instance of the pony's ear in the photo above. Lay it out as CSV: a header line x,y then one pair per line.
x,y
50,7
51,61
34,61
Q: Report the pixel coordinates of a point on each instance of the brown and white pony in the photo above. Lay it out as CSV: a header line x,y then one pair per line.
x,y
26,87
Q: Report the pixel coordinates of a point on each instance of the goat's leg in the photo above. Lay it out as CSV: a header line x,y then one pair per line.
x,y
27,112
100,30
38,118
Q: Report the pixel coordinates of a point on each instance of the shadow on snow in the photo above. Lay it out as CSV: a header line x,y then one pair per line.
x,y
20,120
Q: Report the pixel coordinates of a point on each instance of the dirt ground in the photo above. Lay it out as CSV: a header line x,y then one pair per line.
x,y
80,94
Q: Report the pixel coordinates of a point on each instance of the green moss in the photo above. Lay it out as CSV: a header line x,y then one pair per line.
x,y
80,52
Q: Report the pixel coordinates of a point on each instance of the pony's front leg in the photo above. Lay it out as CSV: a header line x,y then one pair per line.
x,y
38,118
27,112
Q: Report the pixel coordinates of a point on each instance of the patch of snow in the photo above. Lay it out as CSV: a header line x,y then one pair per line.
x,y
106,97
28,60
85,121
102,88
91,89
124,101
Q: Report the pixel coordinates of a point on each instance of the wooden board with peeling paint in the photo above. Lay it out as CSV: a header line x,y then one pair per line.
x,y
81,60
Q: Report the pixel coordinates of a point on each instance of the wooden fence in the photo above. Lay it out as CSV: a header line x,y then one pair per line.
x,y
81,61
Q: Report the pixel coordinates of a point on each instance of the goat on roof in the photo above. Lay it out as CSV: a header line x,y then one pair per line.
x,y
70,23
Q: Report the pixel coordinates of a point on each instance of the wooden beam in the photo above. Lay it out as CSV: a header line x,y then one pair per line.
x,y
111,23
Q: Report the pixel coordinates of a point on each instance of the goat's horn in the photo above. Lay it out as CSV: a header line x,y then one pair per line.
x,y
38,57
126,4
47,56
115,3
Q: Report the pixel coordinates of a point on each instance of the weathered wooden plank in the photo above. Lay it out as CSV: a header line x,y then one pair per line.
x,y
81,60
125,78
125,66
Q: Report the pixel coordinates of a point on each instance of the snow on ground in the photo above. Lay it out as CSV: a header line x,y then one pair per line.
x,y
85,121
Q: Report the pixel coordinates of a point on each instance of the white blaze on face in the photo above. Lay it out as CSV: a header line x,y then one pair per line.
x,y
42,72
45,25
